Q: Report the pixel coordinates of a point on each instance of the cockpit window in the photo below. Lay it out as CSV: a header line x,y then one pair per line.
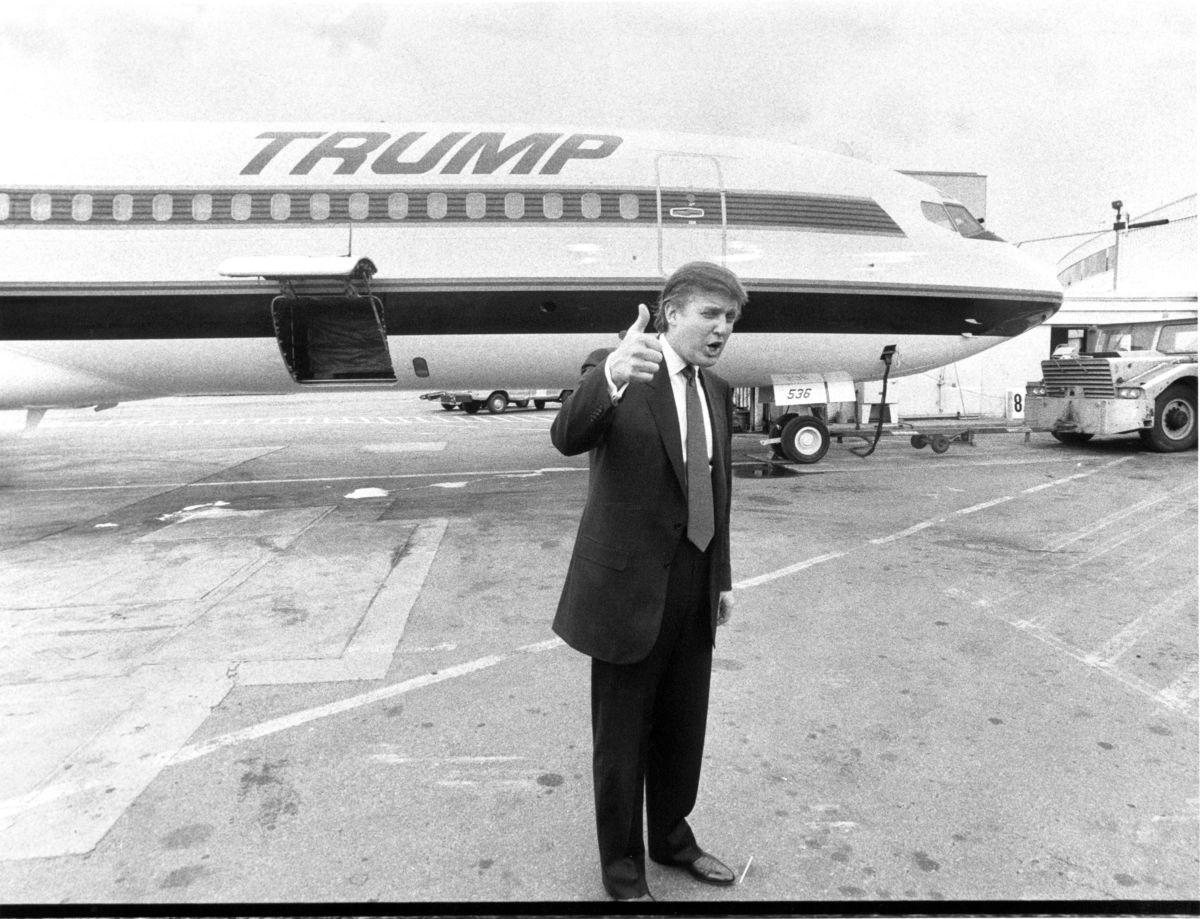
x,y
1178,339
967,225
935,213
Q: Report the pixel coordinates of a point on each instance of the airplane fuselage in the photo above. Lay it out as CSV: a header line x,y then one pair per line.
x,y
501,256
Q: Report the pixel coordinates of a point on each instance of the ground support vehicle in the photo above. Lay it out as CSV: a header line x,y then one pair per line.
x,y
1134,377
805,439
803,413
495,400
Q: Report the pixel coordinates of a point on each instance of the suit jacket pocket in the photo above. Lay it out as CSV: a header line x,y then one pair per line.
x,y
598,552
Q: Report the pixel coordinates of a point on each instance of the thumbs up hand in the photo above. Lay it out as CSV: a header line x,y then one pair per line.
x,y
638,355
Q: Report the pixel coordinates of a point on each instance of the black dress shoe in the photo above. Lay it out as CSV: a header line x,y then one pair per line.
x,y
647,897
709,869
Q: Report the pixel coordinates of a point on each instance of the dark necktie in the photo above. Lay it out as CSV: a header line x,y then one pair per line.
x,y
700,526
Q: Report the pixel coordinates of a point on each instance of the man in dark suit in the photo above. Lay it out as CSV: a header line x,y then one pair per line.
x,y
649,578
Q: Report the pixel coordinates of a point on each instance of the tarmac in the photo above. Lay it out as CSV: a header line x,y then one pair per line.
x,y
298,651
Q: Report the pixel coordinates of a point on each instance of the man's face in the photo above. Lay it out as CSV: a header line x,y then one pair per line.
x,y
699,326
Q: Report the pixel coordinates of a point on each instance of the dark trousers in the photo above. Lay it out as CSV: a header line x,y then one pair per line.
x,y
648,722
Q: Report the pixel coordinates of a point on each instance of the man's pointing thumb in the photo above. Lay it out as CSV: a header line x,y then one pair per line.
x,y
639,324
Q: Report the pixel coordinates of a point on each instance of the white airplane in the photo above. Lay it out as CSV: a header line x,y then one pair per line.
x,y
148,260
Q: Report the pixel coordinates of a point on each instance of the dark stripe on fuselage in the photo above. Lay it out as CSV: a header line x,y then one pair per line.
x,y
542,312
82,208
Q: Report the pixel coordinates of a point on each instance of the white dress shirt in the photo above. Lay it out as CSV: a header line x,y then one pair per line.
x,y
675,367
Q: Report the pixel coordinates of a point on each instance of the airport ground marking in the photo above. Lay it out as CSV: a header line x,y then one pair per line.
x,y
14,807
1133,533
784,572
1106,521
1037,627
287,722
922,525
368,477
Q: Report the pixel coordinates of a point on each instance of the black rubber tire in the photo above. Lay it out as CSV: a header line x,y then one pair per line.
x,y
939,443
471,407
497,402
539,404
1175,425
919,441
805,439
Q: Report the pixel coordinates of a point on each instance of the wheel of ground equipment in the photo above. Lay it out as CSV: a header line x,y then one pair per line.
x,y
1174,421
539,404
522,403
471,407
448,406
805,439
497,402
939,443
919,441
1071,437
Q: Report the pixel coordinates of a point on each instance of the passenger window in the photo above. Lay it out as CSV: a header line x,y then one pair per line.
x,y
935,213
590,205
318,206
398,206
552,205
202,207
514,206
629,207
5,206
122,207
239,207
281,207
476,205
162,207
360,206
40,207
435,205
81,208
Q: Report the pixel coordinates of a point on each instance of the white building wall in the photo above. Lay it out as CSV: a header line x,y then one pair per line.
x,y
980,386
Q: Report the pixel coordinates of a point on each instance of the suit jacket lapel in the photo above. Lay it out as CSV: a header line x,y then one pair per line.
x,y
662,409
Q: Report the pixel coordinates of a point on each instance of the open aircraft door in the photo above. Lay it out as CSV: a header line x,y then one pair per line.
x,y
329,326
691,210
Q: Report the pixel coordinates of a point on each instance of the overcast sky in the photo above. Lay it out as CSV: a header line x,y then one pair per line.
x,y
1064,105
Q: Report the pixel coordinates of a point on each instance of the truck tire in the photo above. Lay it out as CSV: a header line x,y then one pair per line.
x,y
471,407
805,439
1071,437
539,404
497,402
1174,426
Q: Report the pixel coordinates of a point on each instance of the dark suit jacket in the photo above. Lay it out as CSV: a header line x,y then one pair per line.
x,y
612,602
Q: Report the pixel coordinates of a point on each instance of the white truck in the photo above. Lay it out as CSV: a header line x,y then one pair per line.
x,y
495,400
1135,376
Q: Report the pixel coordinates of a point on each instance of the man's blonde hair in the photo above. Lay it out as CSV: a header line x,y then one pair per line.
x,y
698,278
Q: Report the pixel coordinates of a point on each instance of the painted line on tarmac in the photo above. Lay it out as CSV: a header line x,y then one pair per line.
x,y
784,572
918,527
287,722
1123,642
984,506
12,808
916,463
304,479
